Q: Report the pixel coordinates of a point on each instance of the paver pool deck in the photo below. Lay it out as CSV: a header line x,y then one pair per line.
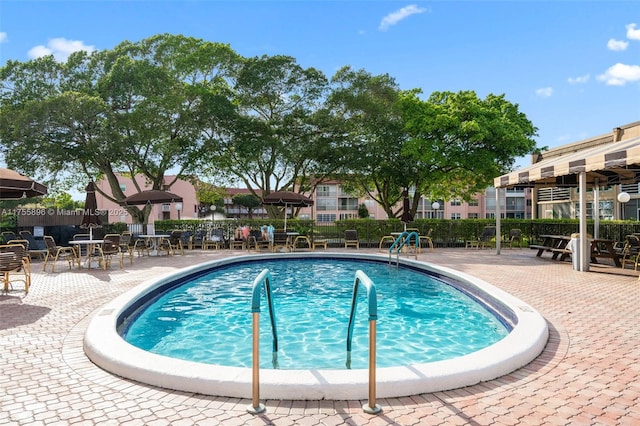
x,y
588,374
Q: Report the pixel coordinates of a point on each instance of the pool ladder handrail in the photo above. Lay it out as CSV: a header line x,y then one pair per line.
x,y
263,277
362,279
403,240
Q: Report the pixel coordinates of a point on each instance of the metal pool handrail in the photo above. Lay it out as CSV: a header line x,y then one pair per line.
x,y
362,279
263,277
403,240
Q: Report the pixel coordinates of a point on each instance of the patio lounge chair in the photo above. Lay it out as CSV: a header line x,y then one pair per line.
x,y
485,239
8,236
215,240
240,238
515,237
280,241
14,261
140,245
631,251
55,252
173,243
351,238
109,248
426,240
126,245
37,248
197,239
257,240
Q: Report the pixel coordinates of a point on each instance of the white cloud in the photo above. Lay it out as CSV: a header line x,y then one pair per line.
x,y
614,44
620,74
397,16
3,37
544,92
60,48
632,33
579,80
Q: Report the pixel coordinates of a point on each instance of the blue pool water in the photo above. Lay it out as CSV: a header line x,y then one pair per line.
x,y
208,319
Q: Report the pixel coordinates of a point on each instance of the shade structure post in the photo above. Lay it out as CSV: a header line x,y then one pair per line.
x,y
498,224
285,217
584,243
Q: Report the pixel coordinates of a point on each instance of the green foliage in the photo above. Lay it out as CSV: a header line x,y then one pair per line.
x,y
171,102
8,221
459,143
249,201
63,201
363,211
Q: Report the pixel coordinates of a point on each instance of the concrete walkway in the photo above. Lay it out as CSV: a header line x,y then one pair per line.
x,y
589,373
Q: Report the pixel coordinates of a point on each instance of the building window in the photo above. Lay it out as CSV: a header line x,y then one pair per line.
x,y
326,218
473,215
347,204
456,203
326,191
473,203
344,216
343,192
456,216
324,204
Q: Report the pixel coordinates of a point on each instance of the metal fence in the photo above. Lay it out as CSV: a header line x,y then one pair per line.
x,y
444,232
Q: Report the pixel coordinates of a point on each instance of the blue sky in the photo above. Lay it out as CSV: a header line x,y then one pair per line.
x,y
573,67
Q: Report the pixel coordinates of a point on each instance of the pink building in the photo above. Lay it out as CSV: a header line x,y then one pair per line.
x,y
188,209
331,203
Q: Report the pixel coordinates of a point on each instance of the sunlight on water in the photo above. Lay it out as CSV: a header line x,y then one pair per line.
x,y
419,318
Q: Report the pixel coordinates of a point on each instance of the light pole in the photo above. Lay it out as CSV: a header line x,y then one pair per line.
x,y
178,209
623,198
435,205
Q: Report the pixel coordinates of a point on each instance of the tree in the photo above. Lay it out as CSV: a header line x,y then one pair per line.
x,y
370,133
274,141
363,211
63,201
135,110
458,143
449,146
249,201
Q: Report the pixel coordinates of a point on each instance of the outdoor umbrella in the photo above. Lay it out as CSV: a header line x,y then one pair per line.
x,y
151,196
13,185
406,217
287,199
90,218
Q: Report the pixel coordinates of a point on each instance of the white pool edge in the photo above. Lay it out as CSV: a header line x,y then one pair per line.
x,y
104,347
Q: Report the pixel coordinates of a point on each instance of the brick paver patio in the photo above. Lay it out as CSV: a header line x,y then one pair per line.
x,y
589,373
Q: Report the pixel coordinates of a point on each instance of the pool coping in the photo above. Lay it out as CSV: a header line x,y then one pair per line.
x,y
104,346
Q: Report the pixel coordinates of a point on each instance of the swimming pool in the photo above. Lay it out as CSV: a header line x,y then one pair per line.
x,y
106,348
420,317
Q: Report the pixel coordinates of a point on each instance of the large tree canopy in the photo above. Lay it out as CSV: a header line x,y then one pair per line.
x,y
370,131
136,109
449,146
275,140
458,142
177,104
